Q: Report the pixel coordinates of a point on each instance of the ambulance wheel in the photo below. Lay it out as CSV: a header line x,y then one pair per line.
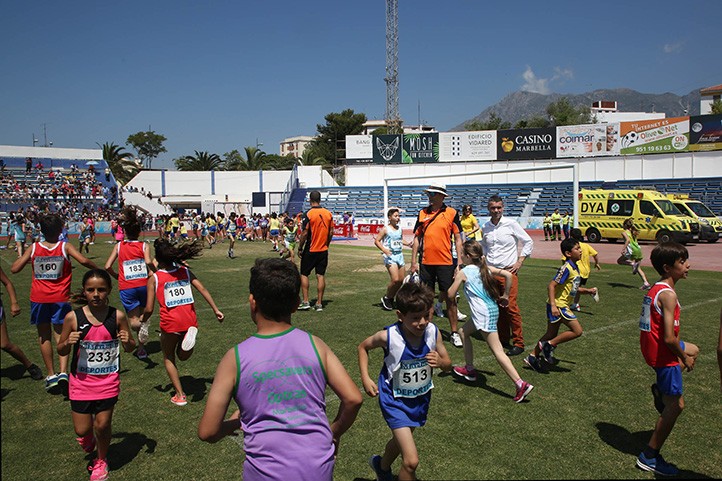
x,y
593,235
713,240
664,236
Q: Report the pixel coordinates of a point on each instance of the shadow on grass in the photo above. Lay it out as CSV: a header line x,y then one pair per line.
x,y
4,393
14,372
632,444
123,452
195,388
621,285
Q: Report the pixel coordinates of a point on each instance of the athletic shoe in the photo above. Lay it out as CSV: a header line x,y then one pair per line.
x,y
514,351
35,372
646,286
229,253
438,310
99,470
87,443
532,361
387,304
547,351
465,372
304,306
233,254
143,332
460,315
595,296
179,400
657,465
189,340
522,391
141,353
51,382
381,475
658,401
318,307
456,340
635,267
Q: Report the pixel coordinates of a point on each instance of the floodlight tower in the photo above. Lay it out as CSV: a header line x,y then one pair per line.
x,y
392,67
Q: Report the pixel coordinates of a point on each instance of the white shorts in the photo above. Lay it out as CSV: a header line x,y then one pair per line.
x,y
397,259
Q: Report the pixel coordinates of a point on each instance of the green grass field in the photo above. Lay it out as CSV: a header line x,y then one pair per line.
x,y
589,418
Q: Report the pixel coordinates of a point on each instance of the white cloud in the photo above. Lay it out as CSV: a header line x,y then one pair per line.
x,y
673,47
534,84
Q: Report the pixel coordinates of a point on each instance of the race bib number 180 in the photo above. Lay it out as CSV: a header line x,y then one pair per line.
x,y
178,293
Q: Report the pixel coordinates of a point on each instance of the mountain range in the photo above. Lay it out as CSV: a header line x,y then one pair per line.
x,y
524,105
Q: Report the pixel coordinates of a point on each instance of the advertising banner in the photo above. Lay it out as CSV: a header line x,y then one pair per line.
x,y
467,146
420,148
587,140
526,144
387,149
654,136
358,149
705,132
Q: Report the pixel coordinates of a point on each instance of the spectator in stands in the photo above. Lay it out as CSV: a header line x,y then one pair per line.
x,y
39,167
556,225
28,165
435,226
500,241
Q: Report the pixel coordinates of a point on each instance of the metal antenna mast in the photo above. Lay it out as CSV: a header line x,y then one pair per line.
x,y
392,67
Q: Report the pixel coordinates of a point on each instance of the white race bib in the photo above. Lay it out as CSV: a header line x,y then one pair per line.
x,y
645,323
135,269
97,358
397,245
48,267
178,293
412,378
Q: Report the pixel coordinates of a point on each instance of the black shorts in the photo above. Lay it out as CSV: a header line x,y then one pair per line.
x,y
431,275
583,281
314,260
93,407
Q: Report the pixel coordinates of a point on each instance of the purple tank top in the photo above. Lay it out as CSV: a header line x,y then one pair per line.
x,y
281,394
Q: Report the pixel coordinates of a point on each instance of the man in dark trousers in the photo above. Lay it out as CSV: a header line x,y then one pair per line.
x,y
316,235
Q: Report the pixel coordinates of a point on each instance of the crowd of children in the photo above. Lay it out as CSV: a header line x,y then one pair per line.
x,y
88,339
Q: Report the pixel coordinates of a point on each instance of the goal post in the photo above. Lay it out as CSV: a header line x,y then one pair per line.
x,y
575,181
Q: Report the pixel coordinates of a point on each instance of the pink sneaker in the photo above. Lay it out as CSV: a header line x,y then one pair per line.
x,y
99,470
522,391
466,373
87,443
179,400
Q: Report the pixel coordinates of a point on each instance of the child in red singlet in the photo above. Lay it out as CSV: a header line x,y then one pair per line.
x,y
50,291
134,262
171,284
95,332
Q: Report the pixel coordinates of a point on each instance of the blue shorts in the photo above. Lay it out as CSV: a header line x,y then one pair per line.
x,y
134,297
669,378
48,312
212,229
397,259
565,313
275,232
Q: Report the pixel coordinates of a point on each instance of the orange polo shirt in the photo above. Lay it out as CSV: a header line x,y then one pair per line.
x,y
437,237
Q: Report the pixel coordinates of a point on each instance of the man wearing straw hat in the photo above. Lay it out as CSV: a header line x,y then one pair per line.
x,y
433,231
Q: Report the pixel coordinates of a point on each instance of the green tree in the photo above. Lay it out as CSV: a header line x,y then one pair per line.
x,y
330,143
120,163
201,161
562,112
254,159
494,122
535,122
716,107
148,145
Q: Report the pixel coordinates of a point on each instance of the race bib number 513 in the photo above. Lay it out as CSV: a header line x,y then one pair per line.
x,y
413,379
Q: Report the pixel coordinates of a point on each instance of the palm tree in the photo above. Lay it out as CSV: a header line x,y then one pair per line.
x,y
200,161
255,159
309,157
120,163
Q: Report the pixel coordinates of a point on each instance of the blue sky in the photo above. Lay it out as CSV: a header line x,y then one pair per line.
x,y
218,75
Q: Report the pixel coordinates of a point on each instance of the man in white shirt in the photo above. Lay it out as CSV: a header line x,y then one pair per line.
x,y
500,241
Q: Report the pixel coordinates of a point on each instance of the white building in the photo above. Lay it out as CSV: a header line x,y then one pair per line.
x,y
607,111
295,145
707,97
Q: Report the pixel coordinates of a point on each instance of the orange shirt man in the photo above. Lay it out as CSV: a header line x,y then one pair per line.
x,y
316,235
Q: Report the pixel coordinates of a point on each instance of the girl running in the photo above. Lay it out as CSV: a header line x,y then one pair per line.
x,y
482,291
20,236
290,233
631,252
391,242
94,332
84,237
133,264
171,285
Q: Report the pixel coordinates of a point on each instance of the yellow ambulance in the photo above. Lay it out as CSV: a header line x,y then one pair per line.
x,y
602,212
710,227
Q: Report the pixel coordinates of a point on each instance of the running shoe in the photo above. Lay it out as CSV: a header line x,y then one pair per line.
x,y
87,442
189,340
456,340
141,353
547,351
381,475
387,304
533,362
143,332
179,400
646,286
438,310
522,391
657,465
635,268
318,307
467,373
460,315
304,306
35,372
51,382
575,307
595,296
99,470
